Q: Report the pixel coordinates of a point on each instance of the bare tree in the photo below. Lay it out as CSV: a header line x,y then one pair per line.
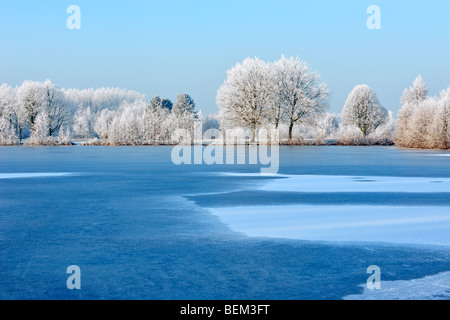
x,y
299,92
54,106
245,97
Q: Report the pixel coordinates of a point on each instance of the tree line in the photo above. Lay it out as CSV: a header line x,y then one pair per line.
x,y
40,113
285,95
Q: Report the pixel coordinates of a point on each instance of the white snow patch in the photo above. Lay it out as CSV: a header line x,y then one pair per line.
x,y
33,175
394,224
329,183
435,287
428,225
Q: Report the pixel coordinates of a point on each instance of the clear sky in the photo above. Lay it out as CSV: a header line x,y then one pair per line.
x,y
180,46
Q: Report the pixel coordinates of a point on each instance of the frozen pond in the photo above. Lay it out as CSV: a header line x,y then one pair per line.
x,y
140,227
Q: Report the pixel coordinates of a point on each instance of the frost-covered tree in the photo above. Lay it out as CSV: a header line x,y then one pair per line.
x,y
7,133
31,95
36,98
127,125
184,104
155,102
246,96
410,101
423,121
64,137
326,126
55,107
155,122
39,134
7,99
430,123
440,127
184,112
132,123
385,134
301,95
350,135
82,123
276,103
415,94
121,127
12,110
114,116
103,123
363,110
211,121
420,122
102,98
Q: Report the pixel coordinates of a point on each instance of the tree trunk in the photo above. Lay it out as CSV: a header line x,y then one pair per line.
x,y
252,137
291,127
363,130
277,118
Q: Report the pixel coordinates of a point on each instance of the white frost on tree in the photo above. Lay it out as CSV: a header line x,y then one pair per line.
x,y
156,122
55,107
410,101
122,127
39,134
31,96
44,114
385,134
184,112
102,123
326,126
423,121
64,137
245,97
415,94
184,104
82,123
7,133
299,92
102,98
441,122
363,110
12,110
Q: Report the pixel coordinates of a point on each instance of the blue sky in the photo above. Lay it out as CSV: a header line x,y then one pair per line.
x,y
170,47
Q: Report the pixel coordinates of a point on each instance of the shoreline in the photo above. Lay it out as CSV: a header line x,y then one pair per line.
x,y
224,145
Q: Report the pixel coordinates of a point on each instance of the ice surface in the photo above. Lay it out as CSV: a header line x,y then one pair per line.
x,y
414,225
128,227
396,224
34,175
435,287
